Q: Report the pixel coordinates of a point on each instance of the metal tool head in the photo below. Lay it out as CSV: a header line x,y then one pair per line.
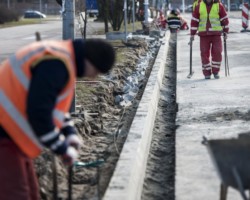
x,y
190,75
95,163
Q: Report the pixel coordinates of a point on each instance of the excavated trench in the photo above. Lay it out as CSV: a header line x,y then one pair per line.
x,y
105,111
159,183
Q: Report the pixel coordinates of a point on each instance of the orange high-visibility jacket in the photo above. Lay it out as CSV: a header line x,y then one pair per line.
x,y
15,77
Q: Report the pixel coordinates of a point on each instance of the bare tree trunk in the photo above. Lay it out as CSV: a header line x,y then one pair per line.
x,y
116,14
103,13
129,11
106,25
101,10
85,24
106,11
111,11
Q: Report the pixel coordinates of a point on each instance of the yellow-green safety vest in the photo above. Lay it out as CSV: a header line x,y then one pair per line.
x,y
213,17
195,4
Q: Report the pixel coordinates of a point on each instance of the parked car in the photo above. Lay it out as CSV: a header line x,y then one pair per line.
x,y
34,14
234,6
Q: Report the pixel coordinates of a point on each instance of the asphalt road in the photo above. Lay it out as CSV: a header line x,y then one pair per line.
x,y
13,38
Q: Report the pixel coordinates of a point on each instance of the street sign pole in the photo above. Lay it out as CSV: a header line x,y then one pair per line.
x,y
146,11
183,6
125,19
69,29
40,5
228,6
69,20
133,14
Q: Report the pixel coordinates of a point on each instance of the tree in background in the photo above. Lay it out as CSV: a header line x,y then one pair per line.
x,y
103,13
116,14
111,11
7,15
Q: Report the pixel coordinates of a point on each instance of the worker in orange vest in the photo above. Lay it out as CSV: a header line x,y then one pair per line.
x,y
36,91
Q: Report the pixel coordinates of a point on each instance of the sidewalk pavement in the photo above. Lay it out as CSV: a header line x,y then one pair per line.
x,y
209,107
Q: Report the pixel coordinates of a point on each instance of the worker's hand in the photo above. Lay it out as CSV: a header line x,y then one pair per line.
x,y
74,141
225,35
70,156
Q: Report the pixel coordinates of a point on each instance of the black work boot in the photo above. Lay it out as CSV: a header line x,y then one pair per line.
x,y
216,75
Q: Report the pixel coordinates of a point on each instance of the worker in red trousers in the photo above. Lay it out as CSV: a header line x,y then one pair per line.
x,y
211,21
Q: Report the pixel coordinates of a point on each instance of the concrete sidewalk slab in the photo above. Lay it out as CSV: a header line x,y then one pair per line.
x,y
208,107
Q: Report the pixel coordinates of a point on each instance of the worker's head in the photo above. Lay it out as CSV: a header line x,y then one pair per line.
x,y
99,57
174,12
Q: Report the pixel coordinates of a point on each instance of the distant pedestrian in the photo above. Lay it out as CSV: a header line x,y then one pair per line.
x,y
211,21
161,21
36,91
184,24
174,21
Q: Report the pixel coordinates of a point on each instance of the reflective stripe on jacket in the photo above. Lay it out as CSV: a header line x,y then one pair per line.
x,y
14,85
174,21
213,17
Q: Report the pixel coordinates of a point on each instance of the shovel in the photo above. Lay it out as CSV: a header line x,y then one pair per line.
x,y
227,73
77,164
190,64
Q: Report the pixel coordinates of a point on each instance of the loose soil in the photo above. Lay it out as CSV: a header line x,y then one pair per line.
x,y
101,123
159,183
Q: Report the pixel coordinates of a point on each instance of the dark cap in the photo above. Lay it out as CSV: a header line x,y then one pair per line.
x,y
100,53
174,12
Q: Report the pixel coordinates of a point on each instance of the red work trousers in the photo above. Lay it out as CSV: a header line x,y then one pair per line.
x,y
18,180
211,44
